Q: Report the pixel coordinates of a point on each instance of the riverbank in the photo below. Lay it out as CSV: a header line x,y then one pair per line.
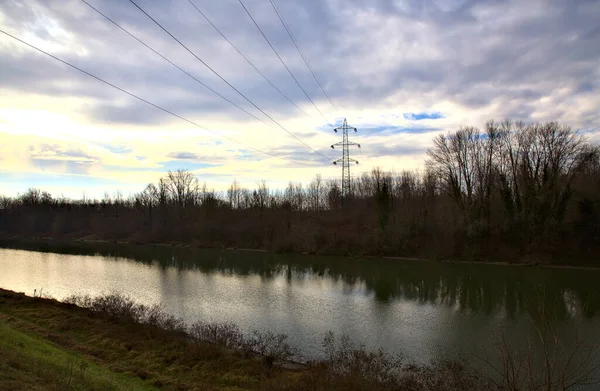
x,y
52,345
33,241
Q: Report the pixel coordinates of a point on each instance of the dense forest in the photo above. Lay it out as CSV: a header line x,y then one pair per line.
x,y
509,192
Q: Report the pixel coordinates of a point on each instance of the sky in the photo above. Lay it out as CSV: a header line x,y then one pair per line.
x,y
400,71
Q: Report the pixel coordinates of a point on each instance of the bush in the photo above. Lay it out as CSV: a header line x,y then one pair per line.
x,y
347,361
222,334
351,367
357,368
123,307
157,317
274,348
444,375
83,301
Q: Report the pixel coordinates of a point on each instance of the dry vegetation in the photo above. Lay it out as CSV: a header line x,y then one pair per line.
x,y
510,192
106,335
114,343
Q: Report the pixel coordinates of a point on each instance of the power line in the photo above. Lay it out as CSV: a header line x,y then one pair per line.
x,y
244,57
171,62
280,59
224,80
284,23
142,99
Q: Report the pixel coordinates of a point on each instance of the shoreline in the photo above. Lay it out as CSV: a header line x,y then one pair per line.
x,y
91,241
61,345
127,352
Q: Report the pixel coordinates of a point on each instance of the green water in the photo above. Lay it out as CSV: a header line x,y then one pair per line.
x,y
423,309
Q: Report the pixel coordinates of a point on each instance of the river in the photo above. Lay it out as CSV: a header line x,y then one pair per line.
x,y
422,309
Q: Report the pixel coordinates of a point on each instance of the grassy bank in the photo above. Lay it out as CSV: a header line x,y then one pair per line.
x,y
33,362
58,346
109,342
53,345
48,343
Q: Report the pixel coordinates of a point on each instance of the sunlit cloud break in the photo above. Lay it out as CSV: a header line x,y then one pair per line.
x,y
401,72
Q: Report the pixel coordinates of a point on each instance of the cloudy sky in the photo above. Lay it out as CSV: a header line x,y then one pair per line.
x,y
400,71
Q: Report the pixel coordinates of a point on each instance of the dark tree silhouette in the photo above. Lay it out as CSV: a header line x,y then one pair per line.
x,y
511,192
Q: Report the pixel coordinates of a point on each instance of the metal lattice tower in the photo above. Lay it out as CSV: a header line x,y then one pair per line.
x,y
345,160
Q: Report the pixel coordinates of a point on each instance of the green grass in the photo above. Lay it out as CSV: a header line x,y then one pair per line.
x,y
46,343
30,363
49,345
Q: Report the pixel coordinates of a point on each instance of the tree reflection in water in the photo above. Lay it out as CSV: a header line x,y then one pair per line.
x,y
473,287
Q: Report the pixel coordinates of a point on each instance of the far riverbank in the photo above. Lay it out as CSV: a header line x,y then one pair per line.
x,y
35,242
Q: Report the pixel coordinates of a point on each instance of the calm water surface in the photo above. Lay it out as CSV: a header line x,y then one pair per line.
x,y
423,309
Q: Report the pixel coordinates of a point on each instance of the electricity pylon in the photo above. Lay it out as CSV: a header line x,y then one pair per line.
x,y
345,160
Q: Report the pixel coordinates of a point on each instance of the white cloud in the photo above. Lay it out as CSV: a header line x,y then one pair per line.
x,y
470,61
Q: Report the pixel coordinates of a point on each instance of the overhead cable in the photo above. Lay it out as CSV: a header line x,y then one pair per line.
x,y
281,59
245,58
144,100
291,35
224,80
172,63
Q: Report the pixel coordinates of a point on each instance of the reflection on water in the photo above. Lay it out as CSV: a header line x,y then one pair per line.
x,y
424,309
479,288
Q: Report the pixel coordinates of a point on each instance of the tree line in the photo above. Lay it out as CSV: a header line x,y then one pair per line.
x,y
508,192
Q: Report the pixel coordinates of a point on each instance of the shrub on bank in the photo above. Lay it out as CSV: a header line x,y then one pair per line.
x,y
345,366
223,334
123,307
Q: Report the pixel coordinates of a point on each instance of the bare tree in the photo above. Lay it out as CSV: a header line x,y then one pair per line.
x,y
233,195
537,164
246,198
183,187
31,197
260,197
5,202
315,194
334,195
296,197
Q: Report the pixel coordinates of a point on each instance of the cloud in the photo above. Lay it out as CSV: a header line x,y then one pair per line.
x,y
73,167
391,129
117,149
184,155
400,71
55,152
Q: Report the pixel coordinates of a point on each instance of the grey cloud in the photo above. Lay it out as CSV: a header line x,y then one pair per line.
x,y
514,62
55,152
296,154
71,167
53,157
385,149
307,134
184,155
